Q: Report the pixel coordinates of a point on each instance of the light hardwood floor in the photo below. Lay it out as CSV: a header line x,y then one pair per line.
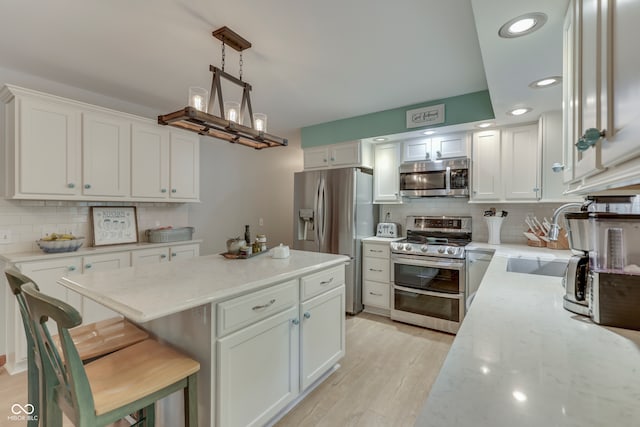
x,y
384,378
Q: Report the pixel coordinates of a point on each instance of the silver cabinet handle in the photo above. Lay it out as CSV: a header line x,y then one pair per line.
x,y
260,307
87,266
163,256
326,282
373,269
379,251
71,185
374,294
307,315
87,186
295,322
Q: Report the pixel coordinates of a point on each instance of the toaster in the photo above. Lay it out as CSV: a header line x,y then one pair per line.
x,y
388,229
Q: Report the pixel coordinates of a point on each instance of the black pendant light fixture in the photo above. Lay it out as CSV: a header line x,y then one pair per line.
x,y
198,116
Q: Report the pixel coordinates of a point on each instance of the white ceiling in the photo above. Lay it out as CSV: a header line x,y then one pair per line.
x,y
311,61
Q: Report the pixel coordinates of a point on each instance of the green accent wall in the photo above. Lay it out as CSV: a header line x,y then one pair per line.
x,y
471,107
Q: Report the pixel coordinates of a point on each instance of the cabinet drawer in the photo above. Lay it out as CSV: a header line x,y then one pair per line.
x,y
375,294
376,269
245,310
317,283
377,251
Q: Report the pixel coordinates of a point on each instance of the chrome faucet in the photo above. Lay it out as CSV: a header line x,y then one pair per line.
x,y
555,228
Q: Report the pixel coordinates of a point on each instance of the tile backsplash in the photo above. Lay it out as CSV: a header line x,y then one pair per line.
x,y
28,220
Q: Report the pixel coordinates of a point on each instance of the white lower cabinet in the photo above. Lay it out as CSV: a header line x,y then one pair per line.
x,y
376,277
477,263
258,370
91,310
322,334
273,344
164,254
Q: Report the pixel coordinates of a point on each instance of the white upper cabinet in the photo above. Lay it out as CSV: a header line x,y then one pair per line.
x,y
435,148
184,154
486,149
47,157
59,149
521,163
344,154
386,175
106,155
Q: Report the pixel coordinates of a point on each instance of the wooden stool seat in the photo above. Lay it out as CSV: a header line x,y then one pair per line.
x,y
135,372
106,336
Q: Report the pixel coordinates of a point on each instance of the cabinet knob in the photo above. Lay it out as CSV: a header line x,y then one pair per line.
x,y
87,266
173,254
536,189
173,190
87,186
163,256
333,159
72,268
438,154
307,315
71,185
163,190
427,156
590,138
324,160
295,322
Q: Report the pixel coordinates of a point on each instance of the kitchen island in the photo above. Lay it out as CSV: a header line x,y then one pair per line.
x,y
264,330
521,359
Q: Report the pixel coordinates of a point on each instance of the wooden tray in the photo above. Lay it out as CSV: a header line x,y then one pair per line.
x,y
228,255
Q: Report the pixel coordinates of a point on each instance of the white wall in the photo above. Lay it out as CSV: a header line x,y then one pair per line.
x,y
240,185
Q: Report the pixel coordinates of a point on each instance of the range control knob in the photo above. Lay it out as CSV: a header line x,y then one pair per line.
x,y
395,246
424,248
441,250
407,246
451,251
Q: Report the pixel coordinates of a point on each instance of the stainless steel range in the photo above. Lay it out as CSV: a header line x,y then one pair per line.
x,y
428,272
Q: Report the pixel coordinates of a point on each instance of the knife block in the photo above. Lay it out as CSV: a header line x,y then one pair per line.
x,y
537,244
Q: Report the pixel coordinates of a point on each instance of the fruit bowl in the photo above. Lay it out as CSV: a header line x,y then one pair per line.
x,y
55,246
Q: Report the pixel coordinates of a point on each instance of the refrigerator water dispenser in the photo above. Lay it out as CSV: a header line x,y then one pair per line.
x,y
306,226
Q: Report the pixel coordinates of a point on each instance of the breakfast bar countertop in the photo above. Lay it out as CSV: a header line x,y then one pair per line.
x,y
148,292
521,359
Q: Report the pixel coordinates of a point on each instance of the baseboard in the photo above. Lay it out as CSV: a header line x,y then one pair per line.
x,y
3,359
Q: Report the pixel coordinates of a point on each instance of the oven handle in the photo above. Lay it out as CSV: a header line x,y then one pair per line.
x,y
448,180
429,293
442,263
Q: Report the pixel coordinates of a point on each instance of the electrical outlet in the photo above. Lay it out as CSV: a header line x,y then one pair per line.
x,y
5,237
260,222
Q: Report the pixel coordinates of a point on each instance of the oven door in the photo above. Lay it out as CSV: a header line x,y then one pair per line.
x,y
443,312
440,275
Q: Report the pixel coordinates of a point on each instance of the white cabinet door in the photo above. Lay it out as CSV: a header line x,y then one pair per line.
x,y
622,85
106,155
322,334
569,93
47,148
521,163
448,146
184,252
91,310
185,166
416,149
348,154
258,370
316,158
477,264
386,175
149,161
487,184
149,256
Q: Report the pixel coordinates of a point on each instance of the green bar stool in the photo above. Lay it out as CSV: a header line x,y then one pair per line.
x,y
107,389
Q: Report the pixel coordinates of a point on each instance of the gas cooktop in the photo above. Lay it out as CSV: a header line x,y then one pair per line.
x,y
435,236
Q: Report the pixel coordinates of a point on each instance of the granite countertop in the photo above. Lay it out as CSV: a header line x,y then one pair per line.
x,y
38,255
521,359
147,292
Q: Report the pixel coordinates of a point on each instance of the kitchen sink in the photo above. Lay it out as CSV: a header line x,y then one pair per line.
x,y
555,268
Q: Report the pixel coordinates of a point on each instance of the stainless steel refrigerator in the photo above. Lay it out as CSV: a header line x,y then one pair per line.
x,y
333,211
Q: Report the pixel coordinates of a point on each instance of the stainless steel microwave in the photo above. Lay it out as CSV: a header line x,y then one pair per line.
x,y
441,178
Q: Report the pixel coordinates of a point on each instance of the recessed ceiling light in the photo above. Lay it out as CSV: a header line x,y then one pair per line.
x,y
379,139
518,111
428,132
484,125
522,25
546,82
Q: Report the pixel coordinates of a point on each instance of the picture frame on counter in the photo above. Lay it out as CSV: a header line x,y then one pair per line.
x,y
114,225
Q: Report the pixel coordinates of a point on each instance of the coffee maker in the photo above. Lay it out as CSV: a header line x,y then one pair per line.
x,y
576,278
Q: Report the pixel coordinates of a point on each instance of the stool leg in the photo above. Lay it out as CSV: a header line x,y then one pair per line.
x,y
33,389
191,402
150,415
